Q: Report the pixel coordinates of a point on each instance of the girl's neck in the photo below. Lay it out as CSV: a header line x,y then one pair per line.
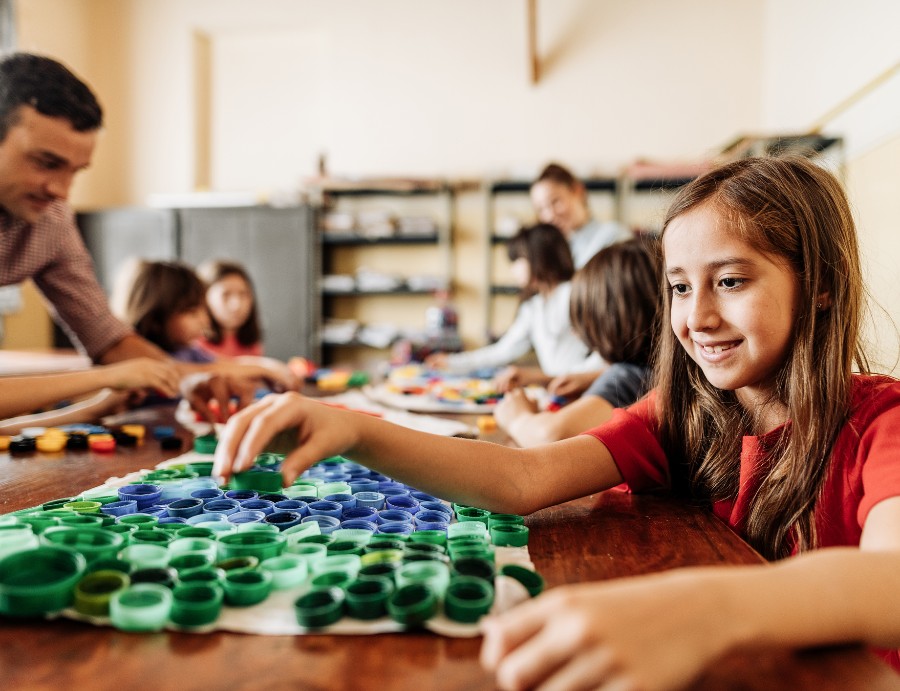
x,y
545,289
767,414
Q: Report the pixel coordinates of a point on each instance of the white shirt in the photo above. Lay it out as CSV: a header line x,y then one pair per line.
x,y
592,237
542,324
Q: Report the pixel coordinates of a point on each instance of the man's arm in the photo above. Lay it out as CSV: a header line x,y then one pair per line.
x,y
132,346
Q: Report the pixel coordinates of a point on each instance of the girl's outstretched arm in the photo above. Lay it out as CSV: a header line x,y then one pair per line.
x,y
472,472
662,631
527,426
24,394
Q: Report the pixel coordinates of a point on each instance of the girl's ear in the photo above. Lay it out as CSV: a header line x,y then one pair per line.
x,y
823,301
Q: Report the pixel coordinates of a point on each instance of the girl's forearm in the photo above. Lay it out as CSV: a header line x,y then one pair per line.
x,y
830,596
24,394
483,474
88,410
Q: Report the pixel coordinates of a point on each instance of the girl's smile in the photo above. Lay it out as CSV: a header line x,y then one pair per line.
x,y
733,307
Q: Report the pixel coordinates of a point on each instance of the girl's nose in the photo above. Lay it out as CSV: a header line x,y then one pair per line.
x,y
703,314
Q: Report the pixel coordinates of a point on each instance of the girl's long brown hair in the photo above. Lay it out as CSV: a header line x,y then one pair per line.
x,y
794,210
616,304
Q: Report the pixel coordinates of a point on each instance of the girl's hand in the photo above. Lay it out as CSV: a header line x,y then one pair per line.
x,y
653,632
571,385
512,406
436,361
316,431
508,378
277,375
200,388
143,373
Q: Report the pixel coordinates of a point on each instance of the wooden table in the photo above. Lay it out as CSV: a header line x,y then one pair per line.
x,y
628,534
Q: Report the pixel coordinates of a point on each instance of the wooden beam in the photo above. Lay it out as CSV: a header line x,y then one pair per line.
x,y
532,41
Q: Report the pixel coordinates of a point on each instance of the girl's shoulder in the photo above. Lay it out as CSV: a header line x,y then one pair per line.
x,y
873,394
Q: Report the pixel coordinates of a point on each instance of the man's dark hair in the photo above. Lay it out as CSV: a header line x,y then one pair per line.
x,y
47,86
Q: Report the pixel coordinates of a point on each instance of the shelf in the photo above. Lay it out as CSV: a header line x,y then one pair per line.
x,y
379,293
660,184
378,186
355,240
354,344
368,218
519,186
771,145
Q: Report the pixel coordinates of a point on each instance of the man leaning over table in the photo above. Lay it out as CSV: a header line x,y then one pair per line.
x,y
49,121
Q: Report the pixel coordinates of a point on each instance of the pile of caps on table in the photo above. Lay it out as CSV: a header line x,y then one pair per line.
x,y
172,547
83,438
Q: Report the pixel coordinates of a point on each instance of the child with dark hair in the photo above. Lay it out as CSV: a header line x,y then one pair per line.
x,y
234,328
542,266
614,307
165,302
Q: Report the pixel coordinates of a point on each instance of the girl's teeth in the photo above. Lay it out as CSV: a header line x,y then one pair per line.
x,y
717,349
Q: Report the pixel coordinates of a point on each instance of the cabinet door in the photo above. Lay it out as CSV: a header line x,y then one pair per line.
x,y
113,236
278,249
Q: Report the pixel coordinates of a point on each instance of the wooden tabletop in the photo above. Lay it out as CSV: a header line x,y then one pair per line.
x,y
603,536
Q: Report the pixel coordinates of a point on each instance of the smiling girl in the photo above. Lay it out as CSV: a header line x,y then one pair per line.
x,y
756,411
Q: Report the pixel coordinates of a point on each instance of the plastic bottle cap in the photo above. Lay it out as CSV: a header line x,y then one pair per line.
x,y
468,599
94,591
413,604
141,607
246,586
509,535
532,580
40,580
196,604
319,607
367,598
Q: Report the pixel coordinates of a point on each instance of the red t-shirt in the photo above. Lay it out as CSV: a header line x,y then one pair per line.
x,y
230,347
865,463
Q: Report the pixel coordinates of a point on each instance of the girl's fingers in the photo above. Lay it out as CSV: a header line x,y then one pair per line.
x,y
537,658
593,668
507,631
226,460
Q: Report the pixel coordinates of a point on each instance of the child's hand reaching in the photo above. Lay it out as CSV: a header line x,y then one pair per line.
x,y
571,385
513,405
320,431
508,378
142,373
436,361
655,632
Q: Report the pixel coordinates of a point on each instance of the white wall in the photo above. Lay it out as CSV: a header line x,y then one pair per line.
x,y
410,88
820,59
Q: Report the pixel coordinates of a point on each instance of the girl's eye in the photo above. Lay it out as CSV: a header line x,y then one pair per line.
x,y
731,282
679,288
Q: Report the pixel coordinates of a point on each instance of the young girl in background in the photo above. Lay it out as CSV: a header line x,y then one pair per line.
x,y
756,410
542,266
614,307
231,301
559,198
165,302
